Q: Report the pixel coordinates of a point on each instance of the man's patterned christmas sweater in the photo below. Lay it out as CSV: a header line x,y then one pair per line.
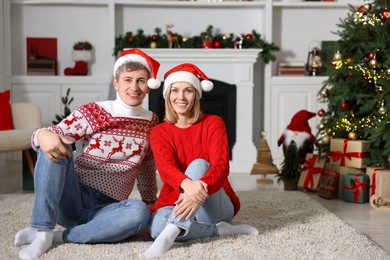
x,y
112,148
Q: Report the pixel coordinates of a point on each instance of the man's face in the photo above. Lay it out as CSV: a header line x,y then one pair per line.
x,y
132,86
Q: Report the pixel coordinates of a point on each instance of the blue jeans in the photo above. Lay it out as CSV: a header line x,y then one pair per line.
x,y
217,207
88,215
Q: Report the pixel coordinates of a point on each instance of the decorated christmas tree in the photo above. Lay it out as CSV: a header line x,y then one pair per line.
x,y
357,91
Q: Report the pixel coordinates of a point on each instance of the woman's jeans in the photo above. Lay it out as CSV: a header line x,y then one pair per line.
x,y
88,215
217,207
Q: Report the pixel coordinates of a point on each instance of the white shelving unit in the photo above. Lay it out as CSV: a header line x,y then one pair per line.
x,y
292,25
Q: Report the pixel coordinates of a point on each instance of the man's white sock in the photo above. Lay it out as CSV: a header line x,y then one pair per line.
x,y
226,229
163,242
42,242
25,236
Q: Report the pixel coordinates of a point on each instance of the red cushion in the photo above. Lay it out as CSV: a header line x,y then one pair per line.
x,y
5,111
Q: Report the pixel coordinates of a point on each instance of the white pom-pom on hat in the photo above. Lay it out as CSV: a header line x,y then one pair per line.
x,y
190,73
154,83
137,55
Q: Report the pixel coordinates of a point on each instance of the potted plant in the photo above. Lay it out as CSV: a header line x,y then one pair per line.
x,y
290,171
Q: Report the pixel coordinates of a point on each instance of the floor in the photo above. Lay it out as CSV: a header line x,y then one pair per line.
x,y
372,222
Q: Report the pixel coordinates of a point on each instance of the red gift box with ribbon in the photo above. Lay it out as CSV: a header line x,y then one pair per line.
x,y
311,172
350,153
356,188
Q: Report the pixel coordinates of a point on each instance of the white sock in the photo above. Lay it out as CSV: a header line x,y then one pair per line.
x,y
42,242
25,236
57,238
225,229
163,242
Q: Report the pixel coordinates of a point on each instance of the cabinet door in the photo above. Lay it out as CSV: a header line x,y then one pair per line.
x,y
47,97
286,100
83,94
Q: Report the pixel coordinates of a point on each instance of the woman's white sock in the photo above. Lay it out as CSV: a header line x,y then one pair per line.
x,y
25,236
42,242
226,229
57,238
163,242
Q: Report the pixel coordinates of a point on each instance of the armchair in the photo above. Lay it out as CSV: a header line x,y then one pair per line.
x,y
26,118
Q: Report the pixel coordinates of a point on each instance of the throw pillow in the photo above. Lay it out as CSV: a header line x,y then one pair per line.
x,y
5,111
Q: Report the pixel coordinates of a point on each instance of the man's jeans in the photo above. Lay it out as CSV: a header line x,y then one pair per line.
x,y
88,215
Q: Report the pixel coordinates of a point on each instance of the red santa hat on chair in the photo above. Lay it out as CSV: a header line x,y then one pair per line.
x,y
299,123
190,73
137,55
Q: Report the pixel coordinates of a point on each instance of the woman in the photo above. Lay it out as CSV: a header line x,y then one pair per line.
x,y
192,156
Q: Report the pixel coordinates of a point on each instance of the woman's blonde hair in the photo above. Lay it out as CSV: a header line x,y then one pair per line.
x,y
171,116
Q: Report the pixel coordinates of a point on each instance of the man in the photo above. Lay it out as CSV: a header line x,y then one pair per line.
x,y
87,191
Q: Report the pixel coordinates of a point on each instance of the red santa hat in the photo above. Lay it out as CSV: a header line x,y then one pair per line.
x,y
300,123
137,55
190,73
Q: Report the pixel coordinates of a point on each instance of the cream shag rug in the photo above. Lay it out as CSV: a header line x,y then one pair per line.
x,y
291,225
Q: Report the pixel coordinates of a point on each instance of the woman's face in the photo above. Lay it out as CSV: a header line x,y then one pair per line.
x,y
132,86
182,98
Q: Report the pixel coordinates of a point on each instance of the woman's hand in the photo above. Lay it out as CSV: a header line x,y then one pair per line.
x,y
186,207
52,145
197,190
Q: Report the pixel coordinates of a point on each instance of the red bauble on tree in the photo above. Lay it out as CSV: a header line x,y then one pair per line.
x,y
344,106
385,14
362,9
153,37
321,112
130,40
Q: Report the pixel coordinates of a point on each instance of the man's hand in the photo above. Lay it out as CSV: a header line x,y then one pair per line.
x,y
52,145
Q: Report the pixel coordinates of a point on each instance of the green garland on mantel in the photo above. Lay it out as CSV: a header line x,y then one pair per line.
x,y
215,40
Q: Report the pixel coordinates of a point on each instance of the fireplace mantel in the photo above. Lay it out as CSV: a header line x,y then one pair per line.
x,y
234,66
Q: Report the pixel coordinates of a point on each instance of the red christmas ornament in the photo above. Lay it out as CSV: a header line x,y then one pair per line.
x,y
344,106
385,14
366,77
154,37
321,112
249,36
362,9
217,44
371,55
333,63
130,40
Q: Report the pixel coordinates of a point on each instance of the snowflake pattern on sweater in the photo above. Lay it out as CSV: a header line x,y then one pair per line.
x,y
112,150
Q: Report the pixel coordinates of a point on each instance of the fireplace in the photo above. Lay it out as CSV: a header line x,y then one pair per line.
x,y
231,67
220,101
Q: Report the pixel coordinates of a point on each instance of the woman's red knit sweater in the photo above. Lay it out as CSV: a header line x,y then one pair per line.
x,y
175,148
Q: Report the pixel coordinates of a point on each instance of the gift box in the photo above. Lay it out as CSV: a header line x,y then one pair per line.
x,y
343,171
328,183
372,174
350,153
311,172
356,188
379,183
